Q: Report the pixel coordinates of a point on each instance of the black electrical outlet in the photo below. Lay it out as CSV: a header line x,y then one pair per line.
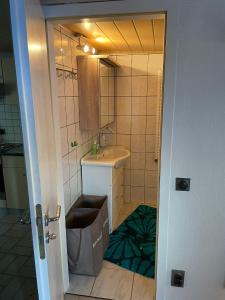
x,y
177,278
183,184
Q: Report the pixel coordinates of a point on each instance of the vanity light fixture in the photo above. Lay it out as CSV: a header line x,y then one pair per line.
x,y
85,47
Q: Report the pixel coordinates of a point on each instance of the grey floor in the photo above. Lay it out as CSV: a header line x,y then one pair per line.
x,y
17,271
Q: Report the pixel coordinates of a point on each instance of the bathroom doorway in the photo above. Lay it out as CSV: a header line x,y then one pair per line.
x,y
135,44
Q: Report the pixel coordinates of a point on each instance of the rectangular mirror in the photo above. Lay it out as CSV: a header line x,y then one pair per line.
x,y
107,94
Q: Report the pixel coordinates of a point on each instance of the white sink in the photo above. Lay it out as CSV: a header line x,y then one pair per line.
x,y
114,156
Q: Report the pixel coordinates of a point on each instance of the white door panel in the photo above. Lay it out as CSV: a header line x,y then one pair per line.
x,y
30,48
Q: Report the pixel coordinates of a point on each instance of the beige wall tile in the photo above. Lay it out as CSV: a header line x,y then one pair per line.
x,y
155,64
66,51
153,86
70,117
137,194
73,162
110,139
68,85
74,54
62,111
65,168
123,124
139,106
150,143
150,194
152,105
66,189
138,125
57,47
123,106
138,143
150,162
123,86
127,193
139,85
137,161
137,178
76,110
60,84
124,61
151,125
64,142
124,140
104,86
71,136
127,180
75,87
151,179
139,64
73,189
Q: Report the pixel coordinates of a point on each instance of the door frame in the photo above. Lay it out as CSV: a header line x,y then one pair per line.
x,y
62,14
30,54
18,21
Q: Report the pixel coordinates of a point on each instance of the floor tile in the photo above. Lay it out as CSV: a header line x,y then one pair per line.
x,y
16,265
8,244
81,284
27,271
19,250
71,297
26,291
4,279
10,291
4,227
143,288
113,284
6,261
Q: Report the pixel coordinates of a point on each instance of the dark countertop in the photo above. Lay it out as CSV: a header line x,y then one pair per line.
x,y
11,149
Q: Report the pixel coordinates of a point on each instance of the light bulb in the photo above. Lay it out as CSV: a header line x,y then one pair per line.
x,y
86,48
93,51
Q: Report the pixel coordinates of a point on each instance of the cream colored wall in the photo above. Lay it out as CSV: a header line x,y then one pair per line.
x,y
65,58
138,97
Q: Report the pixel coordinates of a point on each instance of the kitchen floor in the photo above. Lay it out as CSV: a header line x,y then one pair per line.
x,y
114,282
17,271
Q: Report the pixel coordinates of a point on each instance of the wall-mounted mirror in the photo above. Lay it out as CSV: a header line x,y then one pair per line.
x,y
107,93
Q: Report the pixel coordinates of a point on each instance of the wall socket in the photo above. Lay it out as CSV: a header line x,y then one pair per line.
x,y
183,184
177,278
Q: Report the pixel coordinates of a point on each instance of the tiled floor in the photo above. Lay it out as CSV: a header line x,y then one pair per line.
x,y
17,272
113,282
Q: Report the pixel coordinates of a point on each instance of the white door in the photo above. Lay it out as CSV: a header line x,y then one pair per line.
x,y
30,49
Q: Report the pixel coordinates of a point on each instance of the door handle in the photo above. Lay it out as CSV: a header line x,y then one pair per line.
x,y
53,219
50,237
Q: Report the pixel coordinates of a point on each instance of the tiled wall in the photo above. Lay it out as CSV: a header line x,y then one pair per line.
x,y
10,121
138,102
9,114
65,58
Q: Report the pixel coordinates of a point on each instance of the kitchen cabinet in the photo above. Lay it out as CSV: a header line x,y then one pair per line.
x,y
96,90
15,180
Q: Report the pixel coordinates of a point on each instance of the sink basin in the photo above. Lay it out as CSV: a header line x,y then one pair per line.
x,y
114,156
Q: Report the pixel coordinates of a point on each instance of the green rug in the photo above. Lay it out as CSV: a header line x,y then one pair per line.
x,y
132,245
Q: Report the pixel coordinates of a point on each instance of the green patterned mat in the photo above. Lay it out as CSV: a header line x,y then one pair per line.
x,y
132,245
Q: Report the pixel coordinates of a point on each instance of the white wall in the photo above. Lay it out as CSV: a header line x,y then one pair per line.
x,y
191,225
